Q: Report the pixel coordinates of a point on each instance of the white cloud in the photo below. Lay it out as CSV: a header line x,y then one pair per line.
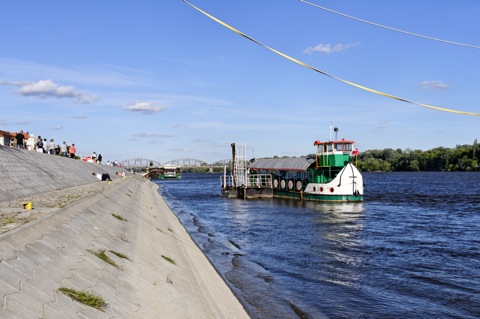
x,y
329,48
49,89
433,85
143,107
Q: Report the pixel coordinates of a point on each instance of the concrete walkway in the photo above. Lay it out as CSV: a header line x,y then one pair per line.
x,y
158,271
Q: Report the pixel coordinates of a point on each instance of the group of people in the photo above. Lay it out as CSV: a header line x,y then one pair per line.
x,y
28,141
96,158
114,163
43,146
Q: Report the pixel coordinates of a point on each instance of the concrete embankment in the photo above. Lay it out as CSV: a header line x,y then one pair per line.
x,y
119,242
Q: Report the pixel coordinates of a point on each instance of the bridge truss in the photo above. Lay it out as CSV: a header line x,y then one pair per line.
x,y
184,162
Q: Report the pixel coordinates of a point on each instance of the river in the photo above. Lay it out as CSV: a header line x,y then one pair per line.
x,y
410,250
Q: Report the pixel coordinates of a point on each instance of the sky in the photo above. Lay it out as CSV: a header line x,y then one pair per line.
x,y
162,81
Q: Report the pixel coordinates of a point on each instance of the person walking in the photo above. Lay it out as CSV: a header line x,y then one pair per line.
x,y
45,146
39,144
51,147
31,142
72,151
63,149
99,159
20,139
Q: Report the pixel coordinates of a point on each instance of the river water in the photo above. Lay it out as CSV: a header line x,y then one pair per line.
x,y
410,250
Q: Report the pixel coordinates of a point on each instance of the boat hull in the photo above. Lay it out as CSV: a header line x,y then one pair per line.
x,y
161,176
347,186
317,197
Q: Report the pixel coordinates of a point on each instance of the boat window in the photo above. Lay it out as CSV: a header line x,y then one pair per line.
x,y
328,147
347,147
338,147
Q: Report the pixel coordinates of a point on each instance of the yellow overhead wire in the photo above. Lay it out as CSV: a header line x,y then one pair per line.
x,y
327,74
390,28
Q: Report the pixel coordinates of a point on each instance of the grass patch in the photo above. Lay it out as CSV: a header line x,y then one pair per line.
x,y
7,220
103,256
84,297
116,253
119,217
169,259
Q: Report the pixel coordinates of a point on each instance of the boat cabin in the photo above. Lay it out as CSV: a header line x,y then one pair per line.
x,y
171,171
335,153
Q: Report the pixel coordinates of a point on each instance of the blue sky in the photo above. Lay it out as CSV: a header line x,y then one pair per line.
x,y
160,80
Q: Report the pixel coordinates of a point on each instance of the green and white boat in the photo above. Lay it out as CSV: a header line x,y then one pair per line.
x,y
329,176
165,172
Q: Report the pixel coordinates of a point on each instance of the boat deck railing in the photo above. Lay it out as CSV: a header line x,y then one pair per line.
x,y
259,180
251,181
226,181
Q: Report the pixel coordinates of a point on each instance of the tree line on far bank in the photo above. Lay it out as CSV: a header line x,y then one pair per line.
x,y
460,158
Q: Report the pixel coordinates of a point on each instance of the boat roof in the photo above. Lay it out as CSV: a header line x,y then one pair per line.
x,y
344,141
283,164
166,166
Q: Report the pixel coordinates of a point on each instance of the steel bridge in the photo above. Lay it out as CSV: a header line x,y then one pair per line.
x,y
140,163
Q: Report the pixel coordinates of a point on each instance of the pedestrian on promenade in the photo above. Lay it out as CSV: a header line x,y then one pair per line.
x,y
31,142
20,139
72,151
63,149
94,157
45,146
39,144
51,147
99,159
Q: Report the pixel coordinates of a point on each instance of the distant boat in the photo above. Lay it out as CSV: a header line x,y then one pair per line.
x,y
164,172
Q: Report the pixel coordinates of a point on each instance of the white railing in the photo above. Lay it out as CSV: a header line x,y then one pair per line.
x,y
252,180
226,181
259,180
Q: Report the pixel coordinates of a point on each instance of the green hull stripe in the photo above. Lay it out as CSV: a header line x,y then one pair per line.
x,y
319,198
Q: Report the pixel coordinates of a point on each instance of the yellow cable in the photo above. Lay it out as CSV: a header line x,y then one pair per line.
x,y
390,28
327,74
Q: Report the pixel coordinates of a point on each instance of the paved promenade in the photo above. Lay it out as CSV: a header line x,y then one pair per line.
x,y
118,241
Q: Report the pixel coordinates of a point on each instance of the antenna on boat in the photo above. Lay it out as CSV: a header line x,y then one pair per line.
x,y
335,129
